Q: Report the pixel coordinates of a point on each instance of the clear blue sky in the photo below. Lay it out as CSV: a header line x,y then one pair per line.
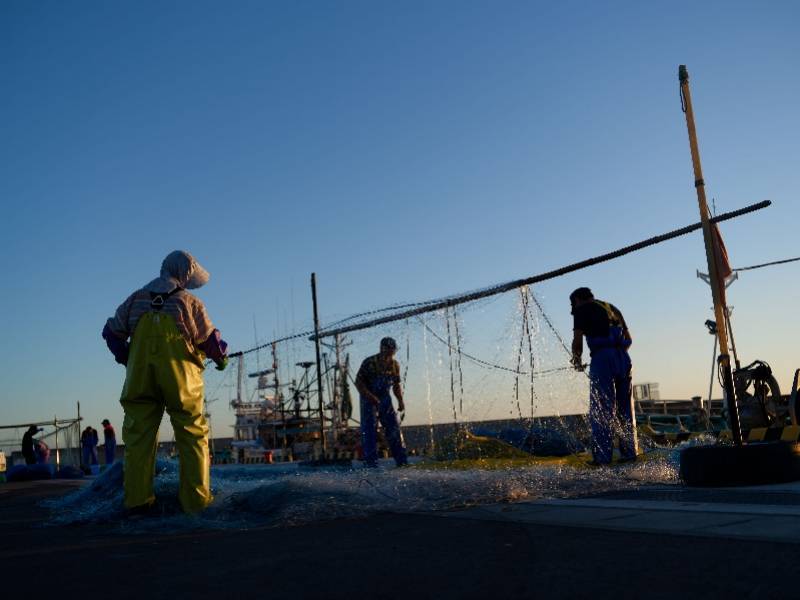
x,y
400,150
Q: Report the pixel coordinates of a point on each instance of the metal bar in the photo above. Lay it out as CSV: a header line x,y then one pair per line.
x,y
716,292
511,285
42,423
319,365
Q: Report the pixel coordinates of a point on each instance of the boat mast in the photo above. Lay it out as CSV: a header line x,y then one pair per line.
x,y
337,375
240,379
319,363
717,292
275,372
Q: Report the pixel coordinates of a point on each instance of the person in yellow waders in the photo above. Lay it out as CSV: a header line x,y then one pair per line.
x,y
170,337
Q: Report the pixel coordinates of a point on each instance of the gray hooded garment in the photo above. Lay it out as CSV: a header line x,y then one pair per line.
x,y
178,270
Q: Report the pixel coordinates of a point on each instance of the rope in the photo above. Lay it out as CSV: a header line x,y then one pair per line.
x,y
550,325
408,353
475,359
769,264
305,334
511,285
287,338
487,364
418,308
530,345
555,332
379,310
450,355
374,487
428,380
458,362
521,345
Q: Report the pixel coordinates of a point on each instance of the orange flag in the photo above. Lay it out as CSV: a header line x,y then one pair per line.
x,y
721,258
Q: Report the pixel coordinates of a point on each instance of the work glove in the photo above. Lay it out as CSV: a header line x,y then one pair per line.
x,y
119,347
221,364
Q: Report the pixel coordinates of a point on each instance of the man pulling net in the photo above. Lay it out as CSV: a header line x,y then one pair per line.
x,y
378,375
610,407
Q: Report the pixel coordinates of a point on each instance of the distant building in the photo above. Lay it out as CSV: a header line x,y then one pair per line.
x,y
645,391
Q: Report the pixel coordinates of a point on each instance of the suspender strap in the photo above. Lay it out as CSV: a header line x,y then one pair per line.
x,y
613,317
158,299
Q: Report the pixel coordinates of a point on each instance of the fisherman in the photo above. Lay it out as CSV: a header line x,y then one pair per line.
x,y
28,444
110,441
170,337
610,407
378,374
89,446
42,451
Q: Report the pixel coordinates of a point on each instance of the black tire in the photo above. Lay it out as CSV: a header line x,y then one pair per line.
x,y
750,464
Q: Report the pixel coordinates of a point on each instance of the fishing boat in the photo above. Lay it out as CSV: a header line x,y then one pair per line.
x,y
275,426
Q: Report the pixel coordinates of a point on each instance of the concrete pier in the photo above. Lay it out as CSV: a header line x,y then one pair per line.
x,y
653,542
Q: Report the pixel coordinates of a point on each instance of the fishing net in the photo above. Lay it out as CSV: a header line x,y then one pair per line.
x,y
285,495
58,443
495,365
491,357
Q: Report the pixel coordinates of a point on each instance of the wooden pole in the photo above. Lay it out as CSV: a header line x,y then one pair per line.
x,y
319,364
713,271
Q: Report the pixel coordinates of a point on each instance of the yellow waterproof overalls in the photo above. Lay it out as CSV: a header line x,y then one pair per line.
x,y
164,372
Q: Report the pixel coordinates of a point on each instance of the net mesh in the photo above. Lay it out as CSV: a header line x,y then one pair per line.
x,y
60,437
496,359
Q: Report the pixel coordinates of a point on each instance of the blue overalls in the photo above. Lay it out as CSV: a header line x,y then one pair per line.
x,y
370,414
89,448
110,447
610,406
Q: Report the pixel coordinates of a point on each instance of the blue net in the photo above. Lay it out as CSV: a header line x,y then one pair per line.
x,y
287,495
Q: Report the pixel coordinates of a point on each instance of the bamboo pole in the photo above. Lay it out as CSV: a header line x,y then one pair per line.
x,y
502,288
713,270
518,283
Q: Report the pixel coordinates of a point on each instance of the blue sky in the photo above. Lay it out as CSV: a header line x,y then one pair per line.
x,y
402,151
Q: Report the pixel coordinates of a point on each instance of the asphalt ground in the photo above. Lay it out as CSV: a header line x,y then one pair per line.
x,y
549,549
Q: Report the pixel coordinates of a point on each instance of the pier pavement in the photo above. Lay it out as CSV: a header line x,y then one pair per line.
x,y
652,542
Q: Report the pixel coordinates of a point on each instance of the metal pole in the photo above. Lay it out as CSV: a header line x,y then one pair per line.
x,y
711,381
716,292
319,363
207,416
78,438
332,387
337,396
240,380
58,455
